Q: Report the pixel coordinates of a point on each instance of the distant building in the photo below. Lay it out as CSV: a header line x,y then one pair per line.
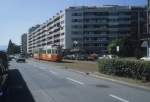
x,y
93,28
24,44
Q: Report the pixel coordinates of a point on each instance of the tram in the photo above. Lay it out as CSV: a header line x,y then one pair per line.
x,y
48,53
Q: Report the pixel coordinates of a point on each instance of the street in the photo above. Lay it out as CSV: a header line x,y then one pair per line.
x,y
37,81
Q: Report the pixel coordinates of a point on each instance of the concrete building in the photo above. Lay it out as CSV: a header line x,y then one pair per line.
x,y
138,30
138,22
92,28
146,38
30,38
24,44
148,14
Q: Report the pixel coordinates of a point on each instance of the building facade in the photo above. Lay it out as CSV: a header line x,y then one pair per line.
x,y
24,44
138,22
148,14
147,37
90,28
138,30
94,27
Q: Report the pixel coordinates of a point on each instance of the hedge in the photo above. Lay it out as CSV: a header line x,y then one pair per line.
x,y
135,69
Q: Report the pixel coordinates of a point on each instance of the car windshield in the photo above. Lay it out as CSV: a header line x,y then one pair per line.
x,y
74,50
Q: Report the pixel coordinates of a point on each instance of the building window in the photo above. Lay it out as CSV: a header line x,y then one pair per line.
x,y
76,14
62,39
62,33
77,39
76,32
62,16
62,27
62,22
95,13
76,20
77,26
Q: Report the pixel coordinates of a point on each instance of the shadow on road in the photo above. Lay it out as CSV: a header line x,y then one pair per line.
x,y
18,90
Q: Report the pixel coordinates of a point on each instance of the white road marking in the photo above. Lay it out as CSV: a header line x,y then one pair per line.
x,y
118,98
81,83
53,72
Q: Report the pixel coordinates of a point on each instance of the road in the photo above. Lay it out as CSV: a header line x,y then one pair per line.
x,y
36,81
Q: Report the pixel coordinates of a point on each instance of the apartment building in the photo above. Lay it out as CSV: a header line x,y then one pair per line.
x,y
90,28
30,39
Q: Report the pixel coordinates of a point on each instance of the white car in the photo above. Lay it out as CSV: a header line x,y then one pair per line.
x,y
145,58
107,57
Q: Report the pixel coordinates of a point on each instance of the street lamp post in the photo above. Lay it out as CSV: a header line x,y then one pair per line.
x,y
75,43
117,49
75,47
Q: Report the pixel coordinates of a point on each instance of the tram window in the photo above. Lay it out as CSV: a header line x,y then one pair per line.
x,y
49,51
56,51
40,51
44,51
35,52
52,51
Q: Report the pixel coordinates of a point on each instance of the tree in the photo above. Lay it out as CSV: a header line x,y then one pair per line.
x,y
112,46
17,49
10,48
125,47
13,48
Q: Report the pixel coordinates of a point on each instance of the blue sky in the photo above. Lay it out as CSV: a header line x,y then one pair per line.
x,y
16,16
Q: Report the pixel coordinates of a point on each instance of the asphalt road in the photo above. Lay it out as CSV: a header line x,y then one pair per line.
x,y
49,82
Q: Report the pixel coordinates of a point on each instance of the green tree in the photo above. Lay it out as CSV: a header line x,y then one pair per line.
x,y
112,46
125,47
10,48
13,48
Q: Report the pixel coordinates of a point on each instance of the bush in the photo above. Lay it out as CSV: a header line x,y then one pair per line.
x,y
135,69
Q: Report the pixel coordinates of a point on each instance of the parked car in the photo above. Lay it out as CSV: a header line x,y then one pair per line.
x,y
71,57
145,58
81,57
3,74
92,57
108,57
20,59
10,58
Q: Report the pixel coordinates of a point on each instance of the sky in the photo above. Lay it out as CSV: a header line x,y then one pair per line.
x,y
17,16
